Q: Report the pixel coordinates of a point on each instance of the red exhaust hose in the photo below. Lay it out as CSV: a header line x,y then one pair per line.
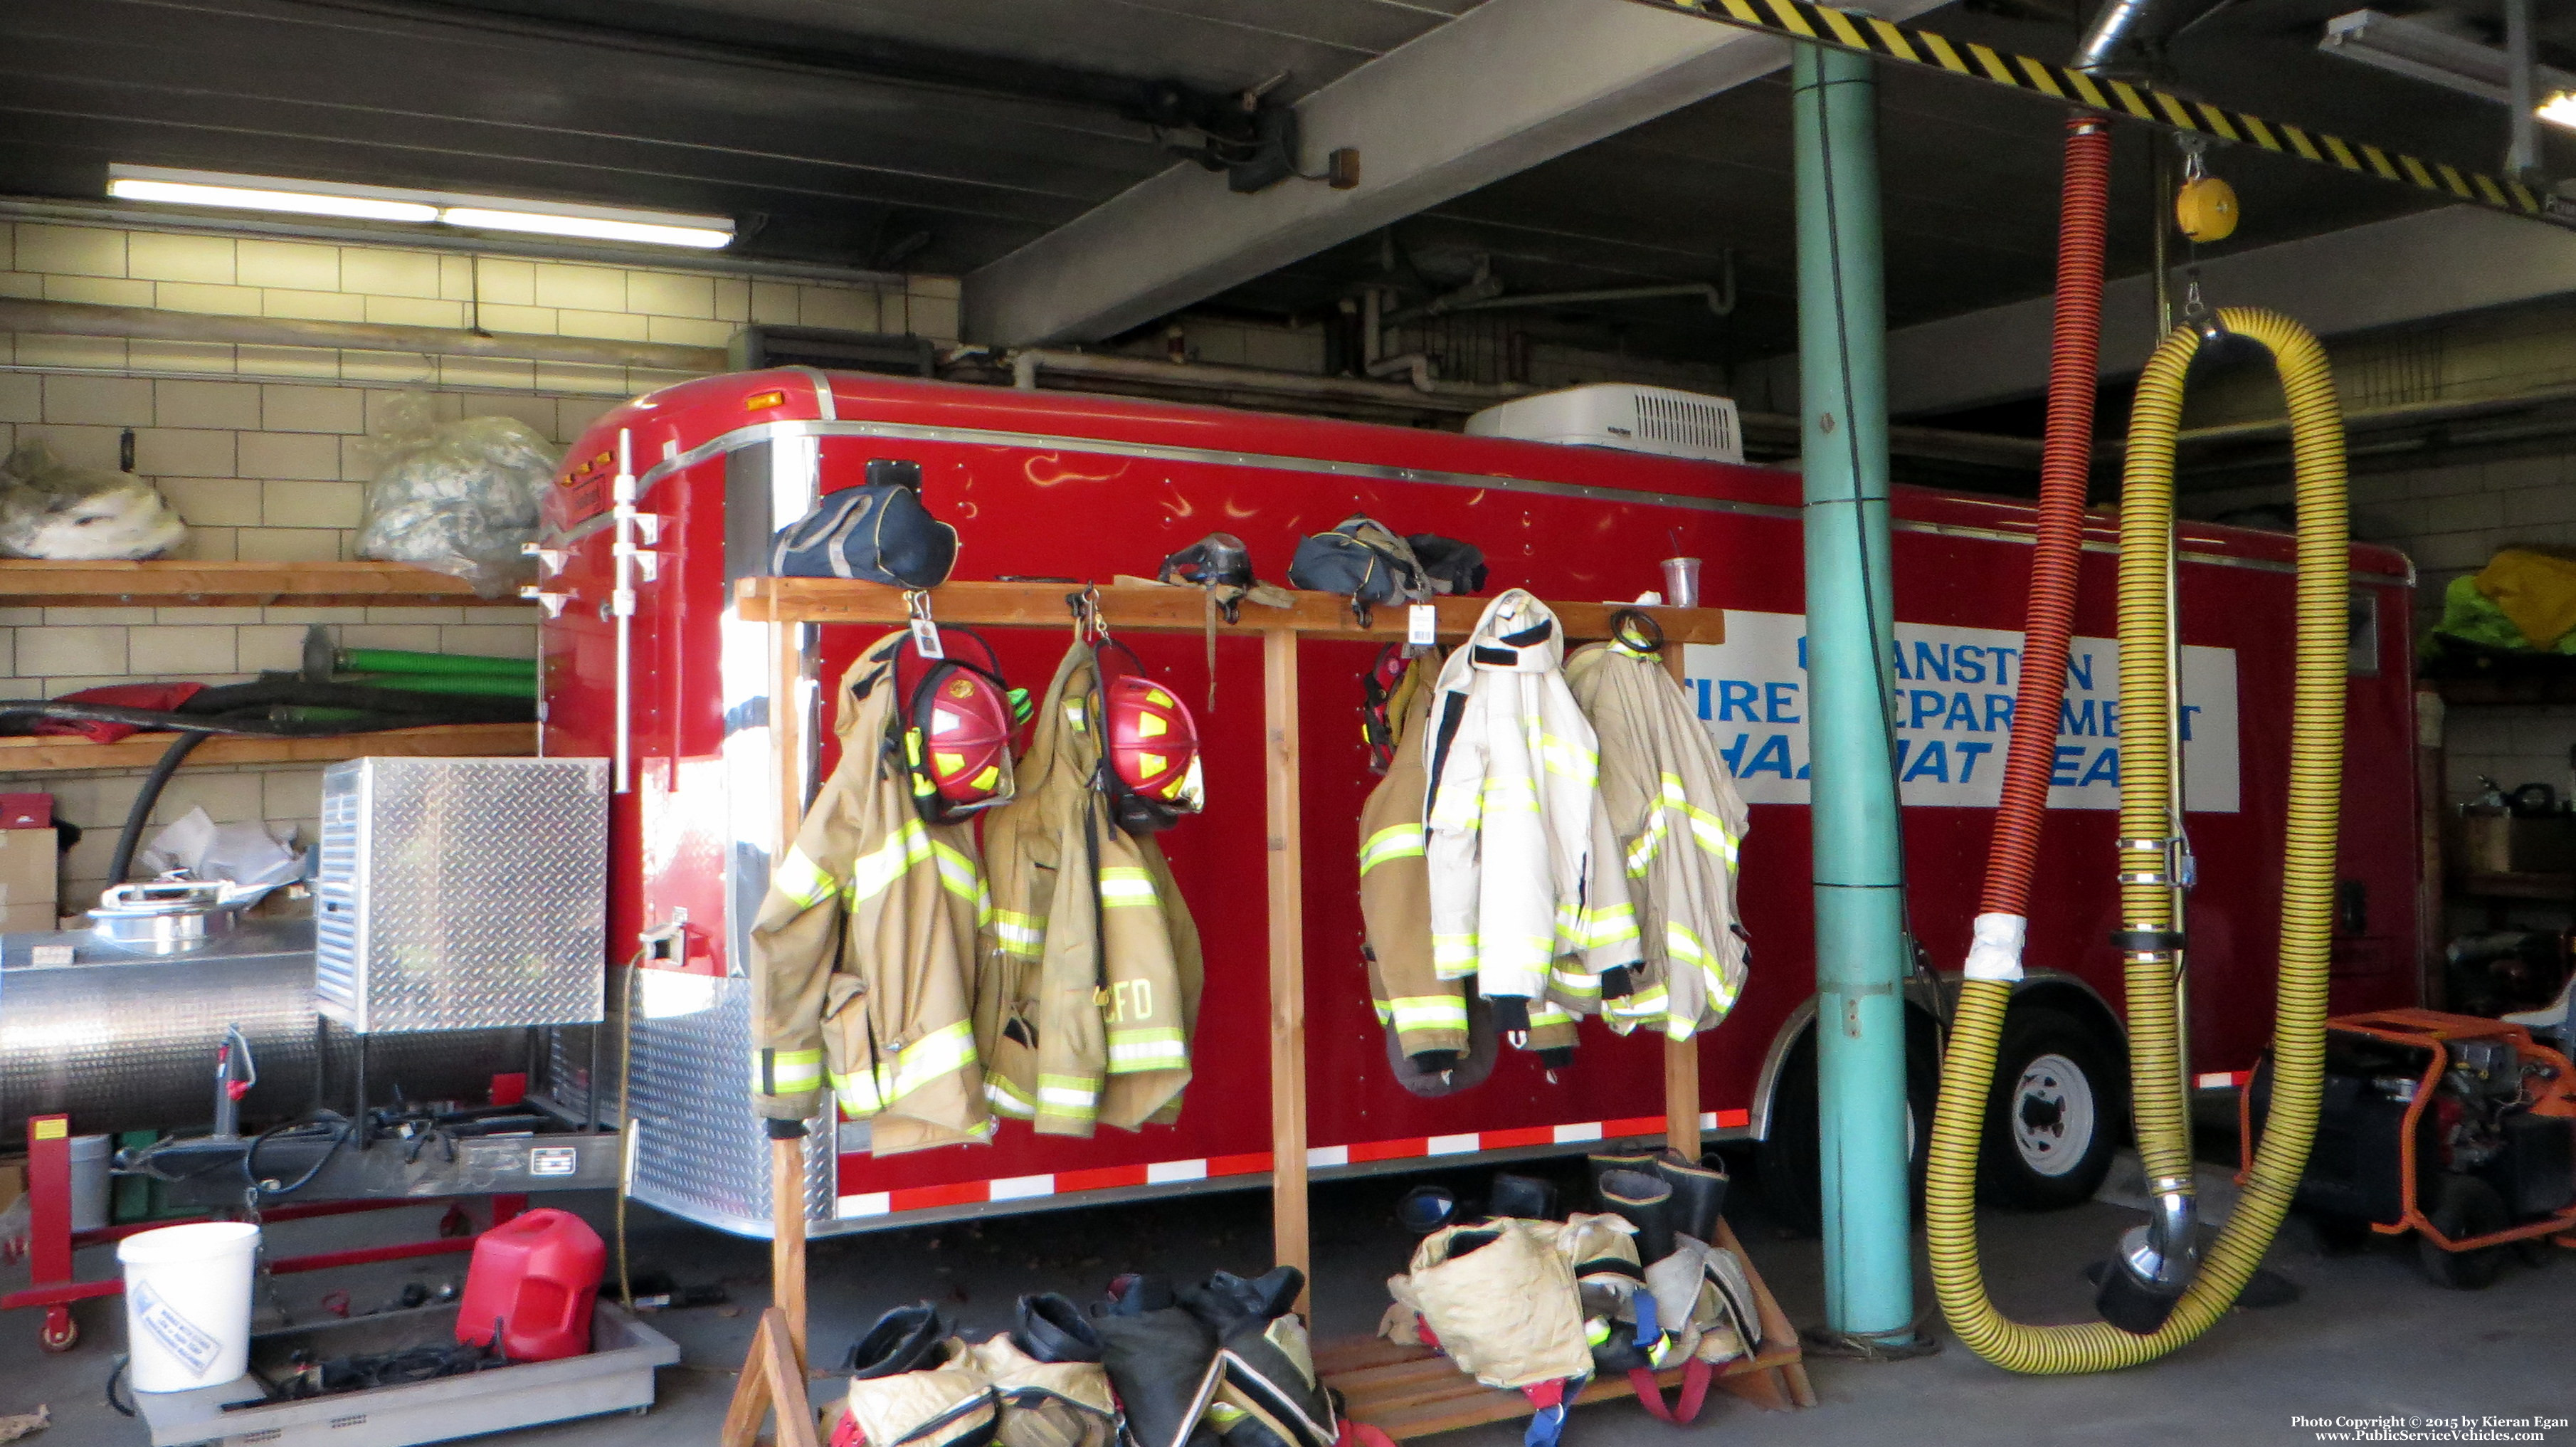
x,y
2066,463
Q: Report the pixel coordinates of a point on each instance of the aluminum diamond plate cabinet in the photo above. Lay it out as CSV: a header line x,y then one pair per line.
x,y
460,894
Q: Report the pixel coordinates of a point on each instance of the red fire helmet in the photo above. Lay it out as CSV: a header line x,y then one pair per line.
x,y
1153,742
957,736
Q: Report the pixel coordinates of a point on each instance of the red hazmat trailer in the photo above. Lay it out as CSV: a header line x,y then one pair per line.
x,y
1070,486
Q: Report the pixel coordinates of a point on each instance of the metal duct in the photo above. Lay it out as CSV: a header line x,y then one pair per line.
x,y
127,1042
2124,29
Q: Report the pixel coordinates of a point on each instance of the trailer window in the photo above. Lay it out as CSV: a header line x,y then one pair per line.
x,y
2362,661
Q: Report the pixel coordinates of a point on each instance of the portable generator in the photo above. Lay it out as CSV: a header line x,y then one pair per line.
x,y
2458,1129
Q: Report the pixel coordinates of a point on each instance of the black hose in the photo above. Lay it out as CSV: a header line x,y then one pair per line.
x,y
233,698
414,711
114,1374
250,1156
144,800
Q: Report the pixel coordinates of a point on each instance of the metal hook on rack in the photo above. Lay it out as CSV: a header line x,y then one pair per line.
x,y
1088,625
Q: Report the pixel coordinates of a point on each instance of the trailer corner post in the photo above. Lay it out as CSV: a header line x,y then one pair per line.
x,y
1858,869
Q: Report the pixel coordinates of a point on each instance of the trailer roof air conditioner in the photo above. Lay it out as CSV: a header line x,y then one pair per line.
x,y
1621,414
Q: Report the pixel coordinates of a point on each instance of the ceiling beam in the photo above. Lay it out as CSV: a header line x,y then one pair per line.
x,y
2388,273
1502,88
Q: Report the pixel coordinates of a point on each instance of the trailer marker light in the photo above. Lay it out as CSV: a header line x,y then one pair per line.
x,y
759,400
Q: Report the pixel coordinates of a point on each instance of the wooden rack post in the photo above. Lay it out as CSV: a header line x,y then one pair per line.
x,y
1289,1243
786,604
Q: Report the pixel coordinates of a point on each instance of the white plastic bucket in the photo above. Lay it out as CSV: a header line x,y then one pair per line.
x,y
187,1304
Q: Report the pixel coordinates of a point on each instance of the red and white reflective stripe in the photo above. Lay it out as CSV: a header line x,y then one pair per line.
x,y
2224,1079
1107,1178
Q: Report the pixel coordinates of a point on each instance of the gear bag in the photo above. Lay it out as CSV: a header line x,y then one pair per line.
x,y
1365,561
1453,567
877,532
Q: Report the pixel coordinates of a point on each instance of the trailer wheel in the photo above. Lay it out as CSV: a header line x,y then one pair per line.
x,y
1790,1160
2463,1206
2053,1120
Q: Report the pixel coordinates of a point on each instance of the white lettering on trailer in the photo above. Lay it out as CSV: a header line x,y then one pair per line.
x,y
1951,699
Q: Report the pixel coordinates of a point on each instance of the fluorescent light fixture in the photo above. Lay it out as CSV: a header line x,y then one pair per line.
x,y
700,231
2559,109
2427,53
386,203
258,198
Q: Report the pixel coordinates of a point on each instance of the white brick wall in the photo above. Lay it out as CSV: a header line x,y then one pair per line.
x,y
2451,519
316,281
264,451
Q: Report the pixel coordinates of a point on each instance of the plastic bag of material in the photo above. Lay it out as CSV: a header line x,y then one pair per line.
x,y
456,497
244,855
50,508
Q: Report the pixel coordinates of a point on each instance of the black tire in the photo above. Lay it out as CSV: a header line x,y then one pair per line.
x,y
2054,1117
2463,1206
1789,1161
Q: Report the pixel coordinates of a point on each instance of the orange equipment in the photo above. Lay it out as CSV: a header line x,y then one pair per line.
x,y
2459,1129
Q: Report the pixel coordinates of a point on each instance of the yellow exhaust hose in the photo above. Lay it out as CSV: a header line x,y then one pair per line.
x,y
2147,764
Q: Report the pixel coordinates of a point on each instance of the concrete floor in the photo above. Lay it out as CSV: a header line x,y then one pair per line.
x,y
2369,1338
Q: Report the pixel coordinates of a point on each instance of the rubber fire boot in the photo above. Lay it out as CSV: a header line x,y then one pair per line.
x,y
1525,1197
1157,1355
1606,1161
1646,1203
1052,1329
1699,1193
1265,1366
903,1340
1426,1209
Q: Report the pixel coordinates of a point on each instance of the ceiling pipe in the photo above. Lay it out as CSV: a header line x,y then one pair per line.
x,y
138,323
1455,397
2522,150
2126,26
1719,295
1413,366
2370,419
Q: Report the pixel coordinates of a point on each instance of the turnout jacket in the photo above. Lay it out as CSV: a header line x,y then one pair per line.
x,y
862,953
1525,887
1679,826
1426,1008
1088,973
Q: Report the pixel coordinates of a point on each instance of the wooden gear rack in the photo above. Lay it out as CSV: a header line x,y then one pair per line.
x,y
1404,1391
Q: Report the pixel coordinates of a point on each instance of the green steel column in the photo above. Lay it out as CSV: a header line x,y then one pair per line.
x,y
1860,944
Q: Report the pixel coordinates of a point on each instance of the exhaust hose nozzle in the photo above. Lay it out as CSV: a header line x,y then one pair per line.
x,y
2153,1266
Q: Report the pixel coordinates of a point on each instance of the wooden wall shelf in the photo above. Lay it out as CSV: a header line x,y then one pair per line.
x,y
57,754
1151,608
27,583
1412,1391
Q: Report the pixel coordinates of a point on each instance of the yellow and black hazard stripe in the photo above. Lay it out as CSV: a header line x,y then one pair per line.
x,y
1851,30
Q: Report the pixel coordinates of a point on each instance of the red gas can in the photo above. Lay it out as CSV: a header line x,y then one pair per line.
x,y
535,1277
